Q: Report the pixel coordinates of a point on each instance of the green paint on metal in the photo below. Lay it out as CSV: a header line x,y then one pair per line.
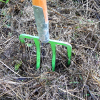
x,y
4,1
37,44
7,1
53,47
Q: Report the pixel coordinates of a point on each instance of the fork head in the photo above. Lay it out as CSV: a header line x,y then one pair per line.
x,y
53,44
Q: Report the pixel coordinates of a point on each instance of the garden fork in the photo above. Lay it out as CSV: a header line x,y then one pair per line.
x,y
41,17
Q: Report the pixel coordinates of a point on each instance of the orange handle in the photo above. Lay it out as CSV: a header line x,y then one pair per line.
x,y
43,5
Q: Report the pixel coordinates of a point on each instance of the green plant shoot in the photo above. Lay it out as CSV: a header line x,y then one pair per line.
x,y
17,65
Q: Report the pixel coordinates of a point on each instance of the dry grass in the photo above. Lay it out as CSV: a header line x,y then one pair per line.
x,y
73,22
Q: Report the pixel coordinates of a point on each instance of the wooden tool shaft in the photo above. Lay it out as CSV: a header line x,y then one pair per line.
x,y
43,5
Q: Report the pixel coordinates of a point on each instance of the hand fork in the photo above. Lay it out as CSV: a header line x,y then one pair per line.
x,y
41,17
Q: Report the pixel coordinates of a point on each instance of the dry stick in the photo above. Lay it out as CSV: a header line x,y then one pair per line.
x,y
8,40
86,80
96,45
66,87
66,67
9,82
56,12
96,80
15,88
20,86
15,92
25,83
83,46
42,96
9,68
90,92
71,94
96,5
61,15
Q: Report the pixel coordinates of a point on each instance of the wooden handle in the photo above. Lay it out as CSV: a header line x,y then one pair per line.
x,y
43,5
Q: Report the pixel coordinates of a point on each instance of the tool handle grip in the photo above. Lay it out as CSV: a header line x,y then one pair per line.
x,y
43,5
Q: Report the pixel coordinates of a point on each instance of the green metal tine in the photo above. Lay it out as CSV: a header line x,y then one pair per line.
x,y
53,47
37,44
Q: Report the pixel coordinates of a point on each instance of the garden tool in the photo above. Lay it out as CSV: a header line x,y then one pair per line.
x,y
5,1
41,17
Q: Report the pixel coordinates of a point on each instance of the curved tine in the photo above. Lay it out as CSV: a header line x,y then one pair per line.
x,y
53,47
37,44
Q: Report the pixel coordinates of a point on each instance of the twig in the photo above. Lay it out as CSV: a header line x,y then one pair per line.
x,y
9,82
86,80
8,40
96,80
15,92
9,68
90,92
15,88
71,94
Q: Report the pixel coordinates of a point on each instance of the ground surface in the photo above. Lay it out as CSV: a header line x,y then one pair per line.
x,y
72,21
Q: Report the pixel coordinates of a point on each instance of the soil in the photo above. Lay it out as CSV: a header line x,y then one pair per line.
x,y
19,79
